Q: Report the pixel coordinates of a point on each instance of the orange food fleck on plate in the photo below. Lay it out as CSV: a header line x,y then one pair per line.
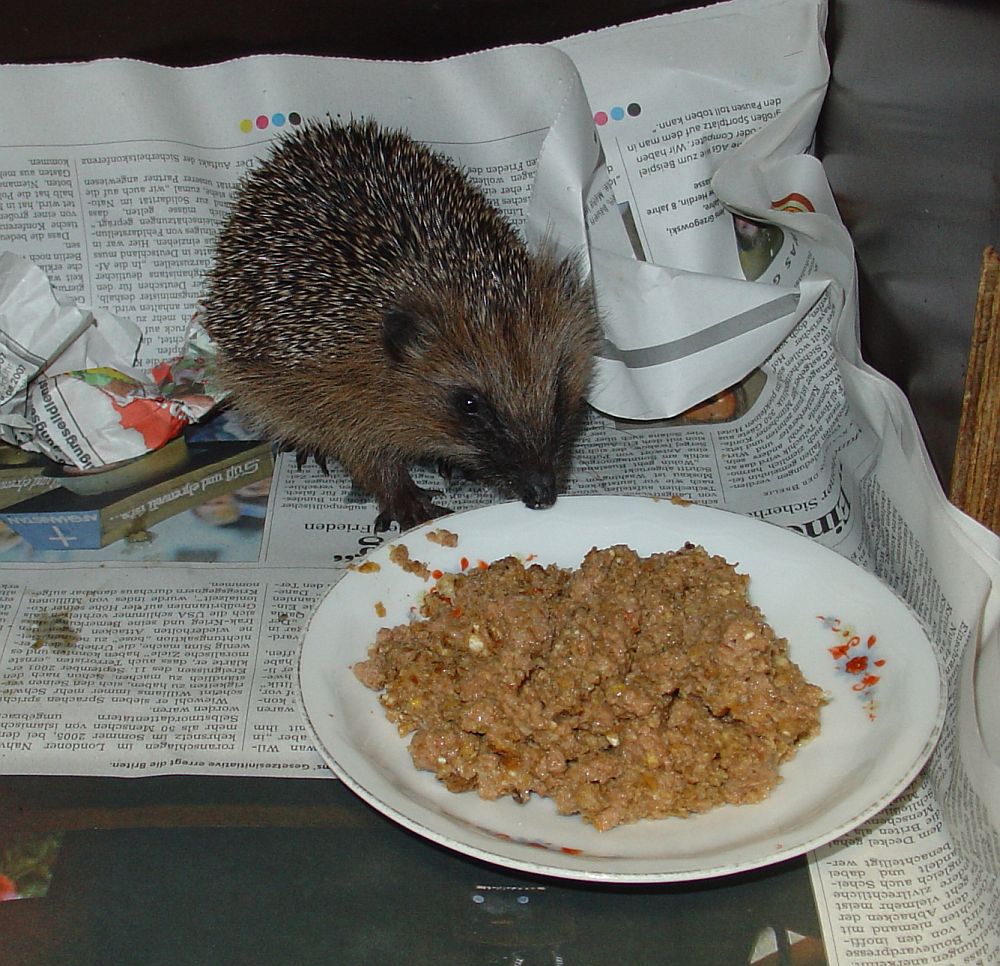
x,y
866,682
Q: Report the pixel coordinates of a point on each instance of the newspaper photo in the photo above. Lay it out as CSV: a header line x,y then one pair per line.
x,y
158,563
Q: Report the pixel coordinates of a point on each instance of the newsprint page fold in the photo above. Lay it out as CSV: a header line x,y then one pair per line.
x,y
155,630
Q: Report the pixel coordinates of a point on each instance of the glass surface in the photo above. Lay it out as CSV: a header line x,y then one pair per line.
x,y
224,870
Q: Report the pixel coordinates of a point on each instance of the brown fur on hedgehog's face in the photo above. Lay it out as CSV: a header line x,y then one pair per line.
x,y
507,389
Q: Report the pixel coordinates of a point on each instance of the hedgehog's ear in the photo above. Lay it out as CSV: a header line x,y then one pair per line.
x,y
569,275
400,333
563,274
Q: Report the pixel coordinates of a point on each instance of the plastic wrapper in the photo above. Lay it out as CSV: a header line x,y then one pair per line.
x,y
69,385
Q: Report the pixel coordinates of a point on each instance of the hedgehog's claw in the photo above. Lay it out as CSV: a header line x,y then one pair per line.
x,y
446,471
452,473
384,520
302,456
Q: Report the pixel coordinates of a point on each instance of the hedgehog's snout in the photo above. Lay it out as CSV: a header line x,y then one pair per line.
x,y
537,488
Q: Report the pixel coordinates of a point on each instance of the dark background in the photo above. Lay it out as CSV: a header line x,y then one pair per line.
x,y
909,133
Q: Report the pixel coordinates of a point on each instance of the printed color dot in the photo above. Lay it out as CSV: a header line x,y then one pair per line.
x,y
262,122
600,118
617,113
634,110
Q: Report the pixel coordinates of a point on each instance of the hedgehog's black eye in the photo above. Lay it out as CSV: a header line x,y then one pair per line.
x,y
467,403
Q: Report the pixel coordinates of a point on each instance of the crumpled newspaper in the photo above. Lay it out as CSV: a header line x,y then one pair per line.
x,y
69,388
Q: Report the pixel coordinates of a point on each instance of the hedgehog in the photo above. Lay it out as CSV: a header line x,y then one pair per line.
x,y
370,305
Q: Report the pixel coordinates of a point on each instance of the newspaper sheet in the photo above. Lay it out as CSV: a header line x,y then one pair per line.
x,y
169,645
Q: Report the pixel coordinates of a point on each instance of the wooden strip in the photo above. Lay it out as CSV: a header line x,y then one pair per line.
x,y
975,477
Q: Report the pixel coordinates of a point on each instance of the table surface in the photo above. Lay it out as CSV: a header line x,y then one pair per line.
x,y
192,870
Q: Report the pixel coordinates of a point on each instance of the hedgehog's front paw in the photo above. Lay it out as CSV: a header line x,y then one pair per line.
x,y
302,456
409,506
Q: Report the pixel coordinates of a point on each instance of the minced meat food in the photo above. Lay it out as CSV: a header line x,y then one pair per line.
x,y
633,687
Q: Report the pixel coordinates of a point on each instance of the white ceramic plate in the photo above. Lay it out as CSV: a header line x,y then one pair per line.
x,y
875,735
